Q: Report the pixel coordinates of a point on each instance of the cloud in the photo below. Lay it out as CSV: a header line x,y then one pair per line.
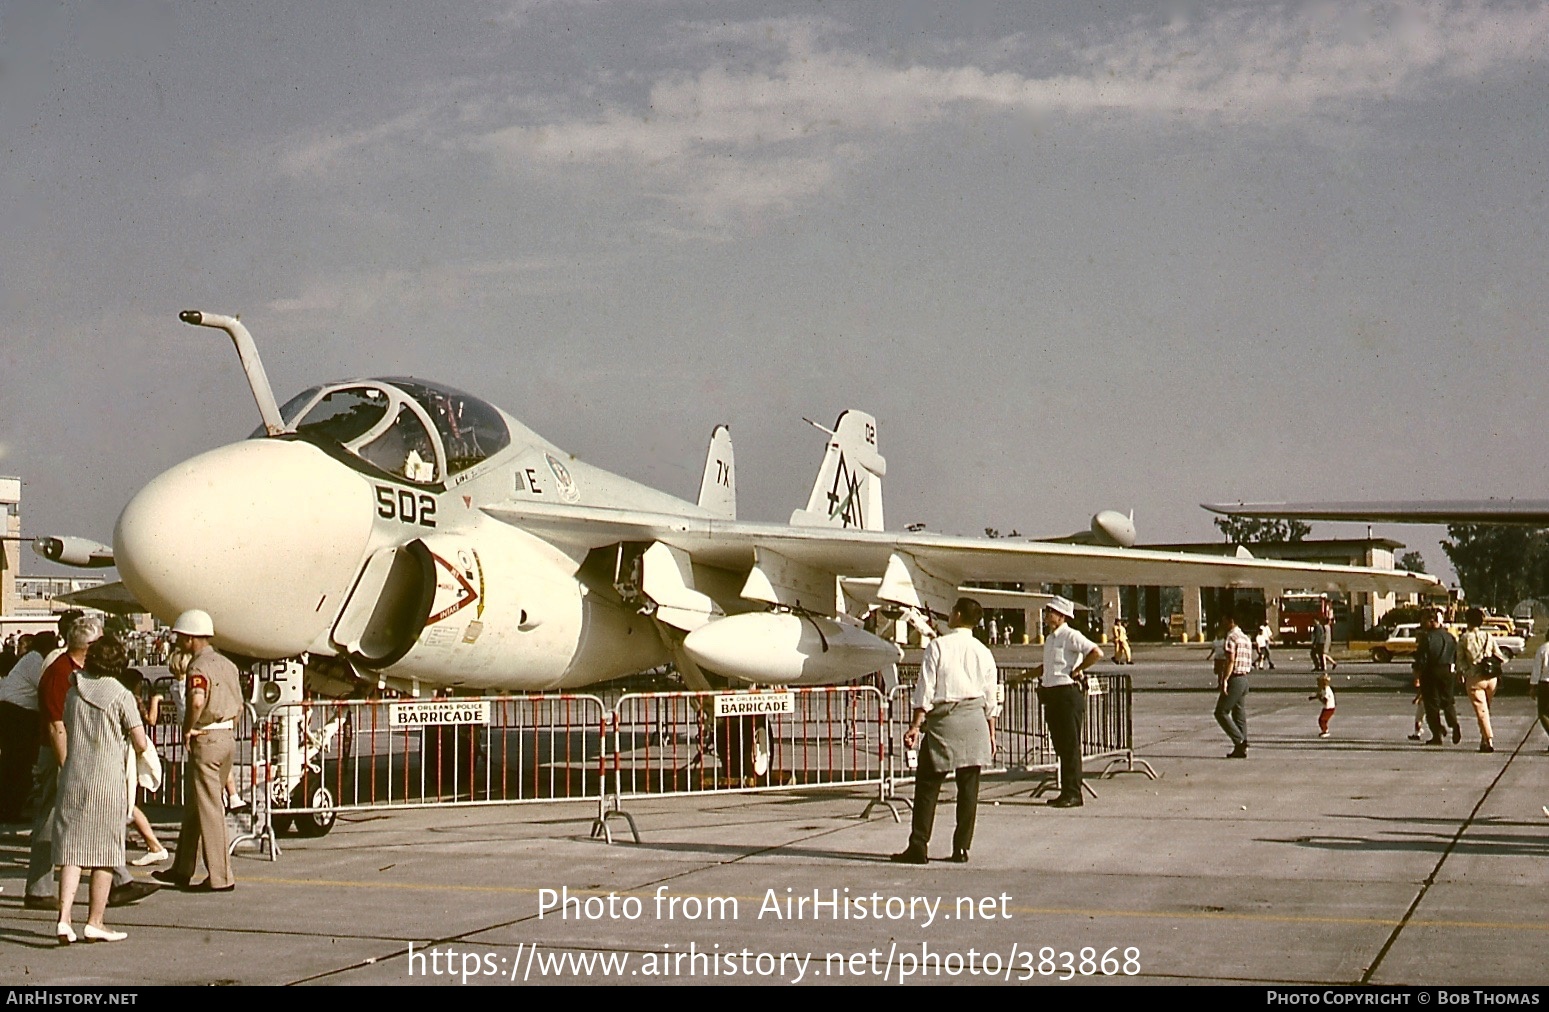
x,y
323,150
444,285
730,142
1275,63
753,118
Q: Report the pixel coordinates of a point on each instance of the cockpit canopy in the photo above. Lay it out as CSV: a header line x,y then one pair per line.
x,y
406,428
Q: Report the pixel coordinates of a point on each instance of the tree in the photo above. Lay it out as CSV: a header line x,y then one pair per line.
x,y
1498,565
1411,562
1256,531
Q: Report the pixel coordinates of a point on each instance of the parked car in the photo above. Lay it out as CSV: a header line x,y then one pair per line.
x,y
1401,642
1506,636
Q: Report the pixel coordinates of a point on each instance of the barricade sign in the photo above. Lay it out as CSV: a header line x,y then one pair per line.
x,y
438,711
749,704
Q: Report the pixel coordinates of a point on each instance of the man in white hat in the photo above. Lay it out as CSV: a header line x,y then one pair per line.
x,y
209,727
1067,655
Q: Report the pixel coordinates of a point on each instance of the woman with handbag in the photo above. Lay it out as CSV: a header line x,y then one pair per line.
x,y
1479,665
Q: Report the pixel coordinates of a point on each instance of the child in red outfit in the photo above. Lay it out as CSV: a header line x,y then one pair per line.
x,y
1325,695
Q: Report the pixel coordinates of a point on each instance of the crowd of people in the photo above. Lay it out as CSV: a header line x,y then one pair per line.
x,y
1443,665
144,648
74,751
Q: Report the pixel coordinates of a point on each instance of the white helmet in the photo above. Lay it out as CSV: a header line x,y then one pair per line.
x,y
194,623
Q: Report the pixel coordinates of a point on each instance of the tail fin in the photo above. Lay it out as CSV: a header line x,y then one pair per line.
x,y
718,487
848,489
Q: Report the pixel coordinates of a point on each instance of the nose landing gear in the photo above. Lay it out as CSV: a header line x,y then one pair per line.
x,y
311,824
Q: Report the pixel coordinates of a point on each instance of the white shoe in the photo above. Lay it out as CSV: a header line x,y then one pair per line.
x,y
1321,734
154,857
95,934
64,933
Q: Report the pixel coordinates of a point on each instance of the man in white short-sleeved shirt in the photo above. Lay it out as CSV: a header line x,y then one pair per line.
x,y
955,706
19,726
1067,654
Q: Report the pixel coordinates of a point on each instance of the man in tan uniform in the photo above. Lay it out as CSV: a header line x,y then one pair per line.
x,y
209,726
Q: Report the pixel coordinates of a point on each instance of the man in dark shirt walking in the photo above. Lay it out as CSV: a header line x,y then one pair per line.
x,y
1435,653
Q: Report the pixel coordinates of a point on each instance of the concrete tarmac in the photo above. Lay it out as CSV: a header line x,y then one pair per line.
x,y
1360,858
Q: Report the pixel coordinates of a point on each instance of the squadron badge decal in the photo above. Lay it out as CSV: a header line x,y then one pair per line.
x,y
567,485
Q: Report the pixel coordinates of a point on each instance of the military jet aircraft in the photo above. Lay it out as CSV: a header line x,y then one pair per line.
x,y
401,533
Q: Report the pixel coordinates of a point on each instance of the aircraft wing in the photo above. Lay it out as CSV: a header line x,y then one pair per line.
x,y
1525,512
867,588
848,552
114,598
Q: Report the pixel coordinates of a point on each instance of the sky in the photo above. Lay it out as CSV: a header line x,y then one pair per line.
x,y
1072,257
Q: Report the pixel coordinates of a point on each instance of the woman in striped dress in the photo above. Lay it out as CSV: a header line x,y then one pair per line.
x,y
101,718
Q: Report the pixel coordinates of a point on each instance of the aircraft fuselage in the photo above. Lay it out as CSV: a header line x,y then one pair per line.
x,y
306,542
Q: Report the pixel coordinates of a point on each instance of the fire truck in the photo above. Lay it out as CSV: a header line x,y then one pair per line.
x,y
1299,613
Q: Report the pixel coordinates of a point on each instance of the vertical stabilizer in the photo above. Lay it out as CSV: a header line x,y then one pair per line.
x,y
718,487
848,489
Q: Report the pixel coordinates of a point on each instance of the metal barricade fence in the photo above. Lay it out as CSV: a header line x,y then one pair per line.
x,y
322,757
673,743
167,736
303,763
1022,742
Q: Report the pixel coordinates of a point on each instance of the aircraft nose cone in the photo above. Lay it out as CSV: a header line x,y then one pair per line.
x,y
265,535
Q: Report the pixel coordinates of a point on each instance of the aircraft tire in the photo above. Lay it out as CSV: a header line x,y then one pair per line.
x,y
314,824
744,748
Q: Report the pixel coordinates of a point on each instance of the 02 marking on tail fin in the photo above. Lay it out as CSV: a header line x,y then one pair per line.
x,y
848,488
